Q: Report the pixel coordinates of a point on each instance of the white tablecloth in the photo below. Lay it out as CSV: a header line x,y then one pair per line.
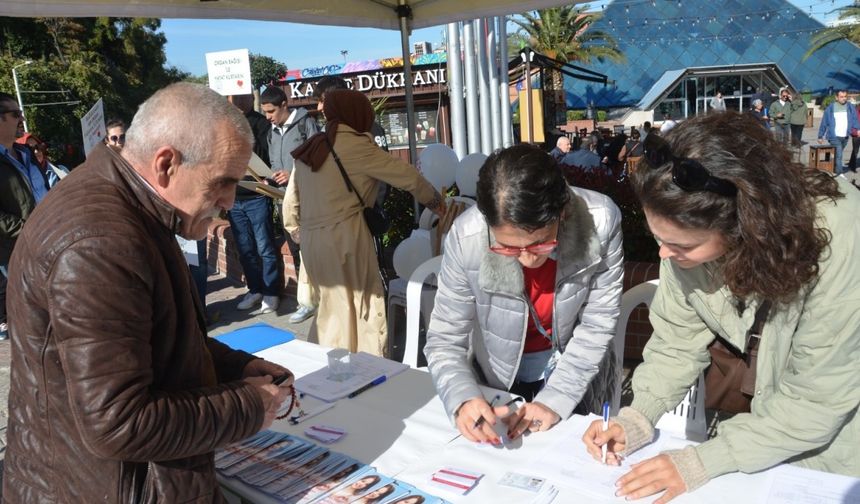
x,y
400,428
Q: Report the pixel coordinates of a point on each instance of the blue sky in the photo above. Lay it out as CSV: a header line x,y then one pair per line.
x,y
301,46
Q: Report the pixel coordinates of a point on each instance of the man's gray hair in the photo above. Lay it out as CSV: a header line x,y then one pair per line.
x,y
186,117
757,102
561,140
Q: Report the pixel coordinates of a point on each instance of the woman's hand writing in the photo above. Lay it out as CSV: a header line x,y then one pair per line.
x,y
614,437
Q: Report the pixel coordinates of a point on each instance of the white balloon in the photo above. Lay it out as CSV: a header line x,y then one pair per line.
x,y
438,163
410,254
467,173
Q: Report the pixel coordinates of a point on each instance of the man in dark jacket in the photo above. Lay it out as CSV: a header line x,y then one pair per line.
x,y
117,395
16,190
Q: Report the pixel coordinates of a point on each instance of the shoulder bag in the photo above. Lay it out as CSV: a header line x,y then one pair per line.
x,y
375,218
730,379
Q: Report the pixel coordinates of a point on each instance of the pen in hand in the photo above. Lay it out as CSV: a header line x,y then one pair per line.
x,y
480,420
605,428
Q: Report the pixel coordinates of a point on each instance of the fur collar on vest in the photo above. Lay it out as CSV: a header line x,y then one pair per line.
x,y
578,247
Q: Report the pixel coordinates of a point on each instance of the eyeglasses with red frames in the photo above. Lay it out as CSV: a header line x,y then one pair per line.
x,y
534,249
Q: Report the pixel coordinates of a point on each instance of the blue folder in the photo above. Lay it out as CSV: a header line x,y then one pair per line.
x,y
256,337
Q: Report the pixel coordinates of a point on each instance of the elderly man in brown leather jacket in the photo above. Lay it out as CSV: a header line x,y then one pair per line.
x,y
117,394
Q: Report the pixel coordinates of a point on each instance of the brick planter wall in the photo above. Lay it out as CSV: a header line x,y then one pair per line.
x,y
224,258
638,328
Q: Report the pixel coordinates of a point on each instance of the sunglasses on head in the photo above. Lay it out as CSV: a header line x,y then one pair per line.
x,y
117,138
17,114
688,174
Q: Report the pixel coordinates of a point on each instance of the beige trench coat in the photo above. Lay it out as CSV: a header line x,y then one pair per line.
x,y
337,248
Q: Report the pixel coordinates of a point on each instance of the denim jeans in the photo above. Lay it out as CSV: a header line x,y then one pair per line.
x,y
839,143
251,222
783,133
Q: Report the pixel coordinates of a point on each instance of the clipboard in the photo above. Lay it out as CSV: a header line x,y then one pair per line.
x,y
264,189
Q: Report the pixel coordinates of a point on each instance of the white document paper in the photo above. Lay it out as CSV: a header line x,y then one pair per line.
x,y
794,485
189,250
364,367
569,464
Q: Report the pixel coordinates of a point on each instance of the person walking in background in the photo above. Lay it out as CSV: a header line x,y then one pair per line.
x,y
115,134
117,394
562,147
797,119
839,122
53,173
290,128
717,103
760,112
529,297
22,186
338,246
855,145
780,116
757,256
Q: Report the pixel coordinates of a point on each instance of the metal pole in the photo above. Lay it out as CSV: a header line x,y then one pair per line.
x,y
504,83
484,80
455,92
528,56
18,92
473,123
495,105
404,12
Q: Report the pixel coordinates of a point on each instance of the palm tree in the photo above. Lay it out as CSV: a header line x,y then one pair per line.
x,y
563,33
849,30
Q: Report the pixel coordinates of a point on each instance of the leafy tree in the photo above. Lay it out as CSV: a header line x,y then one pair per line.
x,y
849,30
76,61
265,70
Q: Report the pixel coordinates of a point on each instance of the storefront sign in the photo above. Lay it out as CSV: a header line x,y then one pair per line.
x,y
376,81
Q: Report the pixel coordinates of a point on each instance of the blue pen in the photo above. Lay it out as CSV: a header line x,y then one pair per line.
x,y
372,384
605,428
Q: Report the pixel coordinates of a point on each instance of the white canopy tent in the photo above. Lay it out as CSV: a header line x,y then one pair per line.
x,y
403,15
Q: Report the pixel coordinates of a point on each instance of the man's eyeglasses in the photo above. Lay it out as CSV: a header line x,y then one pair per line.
x,y
17,114
688,174
117,138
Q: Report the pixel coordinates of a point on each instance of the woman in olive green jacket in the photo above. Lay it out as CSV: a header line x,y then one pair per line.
x,y
738,224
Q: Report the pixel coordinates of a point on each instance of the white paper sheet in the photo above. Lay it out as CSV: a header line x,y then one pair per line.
x,y
793,485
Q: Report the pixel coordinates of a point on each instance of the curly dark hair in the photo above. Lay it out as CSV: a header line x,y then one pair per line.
x,y
522,186
773,242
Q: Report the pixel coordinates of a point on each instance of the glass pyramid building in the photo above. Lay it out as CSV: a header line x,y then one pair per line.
x,y
659,36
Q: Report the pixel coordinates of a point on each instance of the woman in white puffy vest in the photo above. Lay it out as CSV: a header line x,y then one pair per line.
x,y
528,299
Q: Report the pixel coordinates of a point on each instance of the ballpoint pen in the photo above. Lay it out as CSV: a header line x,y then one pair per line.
x,y
480,420
370,385
605,428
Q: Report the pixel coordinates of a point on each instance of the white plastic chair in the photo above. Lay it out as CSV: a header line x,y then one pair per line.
x,y
408,256
419,304
635,296
688,418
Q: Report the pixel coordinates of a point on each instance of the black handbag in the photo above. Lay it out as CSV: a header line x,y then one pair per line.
x,y
377,221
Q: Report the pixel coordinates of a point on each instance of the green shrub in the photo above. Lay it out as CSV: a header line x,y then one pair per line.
x,y
601,115
575,115
827,100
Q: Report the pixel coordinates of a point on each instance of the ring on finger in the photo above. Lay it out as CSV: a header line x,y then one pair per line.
x,y
536,423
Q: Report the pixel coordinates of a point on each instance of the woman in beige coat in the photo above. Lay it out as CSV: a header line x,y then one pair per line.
x,y
337,247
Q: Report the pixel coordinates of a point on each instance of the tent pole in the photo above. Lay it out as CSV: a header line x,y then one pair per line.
x,y
504,83
404,13
455,91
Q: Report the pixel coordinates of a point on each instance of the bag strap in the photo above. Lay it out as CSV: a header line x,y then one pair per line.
x,y
754,334
348,182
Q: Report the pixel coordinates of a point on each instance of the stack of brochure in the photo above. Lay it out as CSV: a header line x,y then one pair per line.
x,y
296,471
